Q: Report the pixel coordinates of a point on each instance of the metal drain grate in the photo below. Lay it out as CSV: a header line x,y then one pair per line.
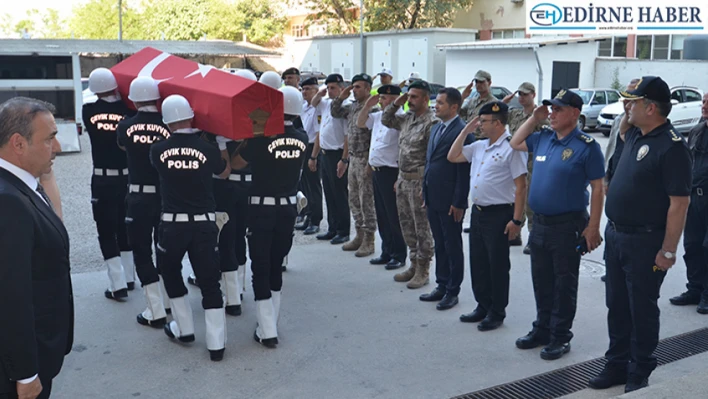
x,y
561,382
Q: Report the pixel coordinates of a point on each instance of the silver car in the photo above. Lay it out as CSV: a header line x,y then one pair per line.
x,y
594,101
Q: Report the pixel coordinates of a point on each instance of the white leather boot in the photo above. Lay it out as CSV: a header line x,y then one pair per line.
x,y
232,291
117,287
154,315
266,332
126,258
182,327
215,332
276,295
165,298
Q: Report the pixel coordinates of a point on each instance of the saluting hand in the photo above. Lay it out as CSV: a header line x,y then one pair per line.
x,y
541,113
29,391
512,230
322,92
592,237
471,126
401,100
510,97
346,92
372,101
468,90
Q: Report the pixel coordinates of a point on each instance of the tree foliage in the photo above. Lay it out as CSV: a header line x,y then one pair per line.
x,y
259,21
98,19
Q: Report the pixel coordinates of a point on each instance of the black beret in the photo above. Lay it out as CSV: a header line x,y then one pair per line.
x,y
389,89
419,84
362,77
494,108
290,71
334,78
310,82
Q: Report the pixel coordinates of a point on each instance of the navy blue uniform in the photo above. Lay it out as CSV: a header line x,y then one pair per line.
x,y
695,239
652,168
563,168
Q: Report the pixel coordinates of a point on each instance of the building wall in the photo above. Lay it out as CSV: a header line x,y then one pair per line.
x,y
674,72
487,15
585,53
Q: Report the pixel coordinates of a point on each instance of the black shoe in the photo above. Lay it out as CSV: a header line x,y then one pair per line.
x,y
285,268
302,227
168,310
703,306
466,229
299,220
475,317
603,278
555,350
635,382
516,242
268,342
448,302
192,281
216,356
184,338
339,240
157,323
609,377
532,340
233,310
435,295
326,236
131,286
117,295
490,323
379,261
687,298
394,264
311,229
527,250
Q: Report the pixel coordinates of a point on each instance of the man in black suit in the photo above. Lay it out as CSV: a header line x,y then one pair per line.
x,y
445,189
36,303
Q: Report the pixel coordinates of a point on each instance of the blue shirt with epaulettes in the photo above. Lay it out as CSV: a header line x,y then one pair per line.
x,y
562,170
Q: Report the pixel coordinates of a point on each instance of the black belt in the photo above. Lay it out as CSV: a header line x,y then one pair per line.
x,y
558,219
623,228
380,168
489,208
331,151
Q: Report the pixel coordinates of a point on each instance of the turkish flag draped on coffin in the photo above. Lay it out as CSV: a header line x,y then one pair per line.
x,y
223,103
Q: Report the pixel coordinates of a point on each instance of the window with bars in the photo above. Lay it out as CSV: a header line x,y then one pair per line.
x,y
297,31
661,47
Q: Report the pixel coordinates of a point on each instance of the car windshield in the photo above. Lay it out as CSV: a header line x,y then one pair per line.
x,y
585,95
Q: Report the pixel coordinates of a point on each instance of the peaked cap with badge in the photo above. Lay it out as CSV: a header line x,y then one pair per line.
x,y
651,88
566,98
389,89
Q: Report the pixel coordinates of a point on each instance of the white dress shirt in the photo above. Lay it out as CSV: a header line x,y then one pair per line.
x,y
384,142
332,130
494,168
309,121
23,175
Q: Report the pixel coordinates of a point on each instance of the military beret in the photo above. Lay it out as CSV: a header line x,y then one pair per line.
x,y
419,84
334,78
290,71
310,82
494,108
362,77
389,89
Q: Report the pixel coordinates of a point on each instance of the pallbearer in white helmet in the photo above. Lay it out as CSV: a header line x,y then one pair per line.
x,y
185,164
136,135
272,79
109,182
276,163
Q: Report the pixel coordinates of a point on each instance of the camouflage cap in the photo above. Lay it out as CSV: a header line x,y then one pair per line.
x,y
483,75
526,88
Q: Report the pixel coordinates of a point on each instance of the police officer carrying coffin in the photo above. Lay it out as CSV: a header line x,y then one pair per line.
x,y
109,183
311,174
646,210
498,191
186,163
276,163
565,160
695,240
136,135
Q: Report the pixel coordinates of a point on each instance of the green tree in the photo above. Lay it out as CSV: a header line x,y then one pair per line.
x,y
176,19
7,25
98,19
52,27
259,21
340,16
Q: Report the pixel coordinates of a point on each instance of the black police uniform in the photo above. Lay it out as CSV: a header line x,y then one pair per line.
x,y
185,164
137,135
109,183
695,239
652,168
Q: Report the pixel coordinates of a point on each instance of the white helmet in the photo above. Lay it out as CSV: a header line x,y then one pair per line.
x,y
272,79
176,108
142,89
292,100
101,80
414,76
245,73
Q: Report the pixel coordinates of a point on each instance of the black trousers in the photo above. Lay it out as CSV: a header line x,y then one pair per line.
x,y
46,390
312,183
108,204
633,288
392,244
695,243
336,191
142,221
449,256
270,237
554,269
239,220
489,257
230,198
198,239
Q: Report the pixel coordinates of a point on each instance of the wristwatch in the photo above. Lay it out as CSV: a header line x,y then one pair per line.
x,y
345,160
668,254
313,158
516,222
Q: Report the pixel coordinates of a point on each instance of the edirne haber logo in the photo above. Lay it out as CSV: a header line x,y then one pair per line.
x,y
616,17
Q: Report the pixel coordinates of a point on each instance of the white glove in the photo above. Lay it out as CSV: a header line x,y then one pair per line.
x,y
301,201
221,141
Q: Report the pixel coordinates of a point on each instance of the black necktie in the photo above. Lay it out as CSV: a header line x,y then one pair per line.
x,y
440,133
43,193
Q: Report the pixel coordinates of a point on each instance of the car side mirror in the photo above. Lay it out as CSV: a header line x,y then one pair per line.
x,y
674,101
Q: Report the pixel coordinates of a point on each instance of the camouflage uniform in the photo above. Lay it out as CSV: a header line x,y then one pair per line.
x,y
517,117
361,186
471,109
413,146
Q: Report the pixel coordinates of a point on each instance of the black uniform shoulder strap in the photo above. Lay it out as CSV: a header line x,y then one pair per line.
x,y
585,138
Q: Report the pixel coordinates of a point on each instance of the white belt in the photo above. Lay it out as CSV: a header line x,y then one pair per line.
x,y
137,188
110,172
273,200
237,177
186,217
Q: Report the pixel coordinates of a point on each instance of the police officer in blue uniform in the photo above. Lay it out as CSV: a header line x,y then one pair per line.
x,y
565,161
136,135
276,163
185,164
646,210
695,240
109,183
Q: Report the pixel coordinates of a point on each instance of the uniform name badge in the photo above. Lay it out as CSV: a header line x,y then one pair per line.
x,y
567,153
643,151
